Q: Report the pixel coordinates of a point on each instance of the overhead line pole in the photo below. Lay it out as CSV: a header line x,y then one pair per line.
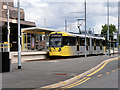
x,y
85,30
65,25
118,26
19,36
108,29
8,27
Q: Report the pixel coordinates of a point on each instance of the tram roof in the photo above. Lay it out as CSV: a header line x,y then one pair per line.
x,y
79,35
37,29
89,36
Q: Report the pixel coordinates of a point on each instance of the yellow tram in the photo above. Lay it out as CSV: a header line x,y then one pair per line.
x,y
68,44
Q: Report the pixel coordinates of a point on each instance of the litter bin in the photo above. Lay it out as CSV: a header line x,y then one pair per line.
x,y
5,61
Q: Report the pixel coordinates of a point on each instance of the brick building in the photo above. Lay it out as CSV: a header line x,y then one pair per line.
x,y
13,23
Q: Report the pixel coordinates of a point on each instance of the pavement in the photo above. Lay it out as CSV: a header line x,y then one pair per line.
x,y
37,74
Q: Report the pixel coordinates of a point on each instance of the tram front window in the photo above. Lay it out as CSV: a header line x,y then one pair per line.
x,y
55,42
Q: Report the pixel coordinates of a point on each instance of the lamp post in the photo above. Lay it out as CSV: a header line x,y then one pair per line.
x,y
8,27
85,30
19,36
118,26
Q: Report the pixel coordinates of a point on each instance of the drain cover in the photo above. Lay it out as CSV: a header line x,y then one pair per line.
x,y
61,74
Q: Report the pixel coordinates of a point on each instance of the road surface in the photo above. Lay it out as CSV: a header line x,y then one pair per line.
x,y
41,73
105,78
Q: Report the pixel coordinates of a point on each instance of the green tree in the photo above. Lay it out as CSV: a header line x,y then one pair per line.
x,y
112,28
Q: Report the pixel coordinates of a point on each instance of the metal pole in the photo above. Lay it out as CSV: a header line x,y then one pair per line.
x,y
19,36
85,29
118,32
113,48
70,27
45,40
108,29
45,23
8,27
66,25
93,32
118,26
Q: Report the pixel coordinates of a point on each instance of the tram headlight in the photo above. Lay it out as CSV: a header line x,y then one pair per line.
x,y
59,49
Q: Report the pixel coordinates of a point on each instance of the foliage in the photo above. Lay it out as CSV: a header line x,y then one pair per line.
x,y
112,29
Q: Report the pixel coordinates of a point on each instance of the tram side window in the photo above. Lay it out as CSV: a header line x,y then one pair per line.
x,y
97,42
72,41
88,42
100,42
93,42
104,43
65,41
82,41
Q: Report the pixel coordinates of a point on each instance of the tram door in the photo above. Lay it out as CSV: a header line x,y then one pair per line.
x,y
87,44
94,44
78,43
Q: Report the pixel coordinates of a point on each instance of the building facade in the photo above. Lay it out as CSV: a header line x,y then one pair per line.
x,y
13,20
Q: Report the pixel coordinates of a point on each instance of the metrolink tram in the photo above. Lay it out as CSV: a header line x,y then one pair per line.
x,y
68,44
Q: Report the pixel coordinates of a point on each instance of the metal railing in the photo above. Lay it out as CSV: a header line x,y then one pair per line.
x,y
4,47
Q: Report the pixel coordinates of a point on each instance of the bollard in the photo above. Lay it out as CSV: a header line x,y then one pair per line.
x,y
5,61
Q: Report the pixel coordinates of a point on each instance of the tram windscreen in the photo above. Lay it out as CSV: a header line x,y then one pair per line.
x,y
55,41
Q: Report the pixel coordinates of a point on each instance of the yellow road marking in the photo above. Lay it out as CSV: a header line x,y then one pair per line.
x,y
77,76
118,68
107,72
102,66
113,70
99,75
64,83
98,69
84,79
75,82
79,83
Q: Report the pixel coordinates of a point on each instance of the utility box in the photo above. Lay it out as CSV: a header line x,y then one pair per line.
x,y
5,61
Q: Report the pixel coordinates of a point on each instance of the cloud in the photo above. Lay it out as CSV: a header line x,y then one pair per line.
x,y
55,13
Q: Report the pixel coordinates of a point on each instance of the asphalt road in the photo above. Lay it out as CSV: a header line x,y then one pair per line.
x,y
41,73
105,78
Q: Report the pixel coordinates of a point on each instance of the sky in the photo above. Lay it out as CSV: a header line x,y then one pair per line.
x,y
53,13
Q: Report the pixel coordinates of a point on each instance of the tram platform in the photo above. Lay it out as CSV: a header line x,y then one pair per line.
x,y
28,55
